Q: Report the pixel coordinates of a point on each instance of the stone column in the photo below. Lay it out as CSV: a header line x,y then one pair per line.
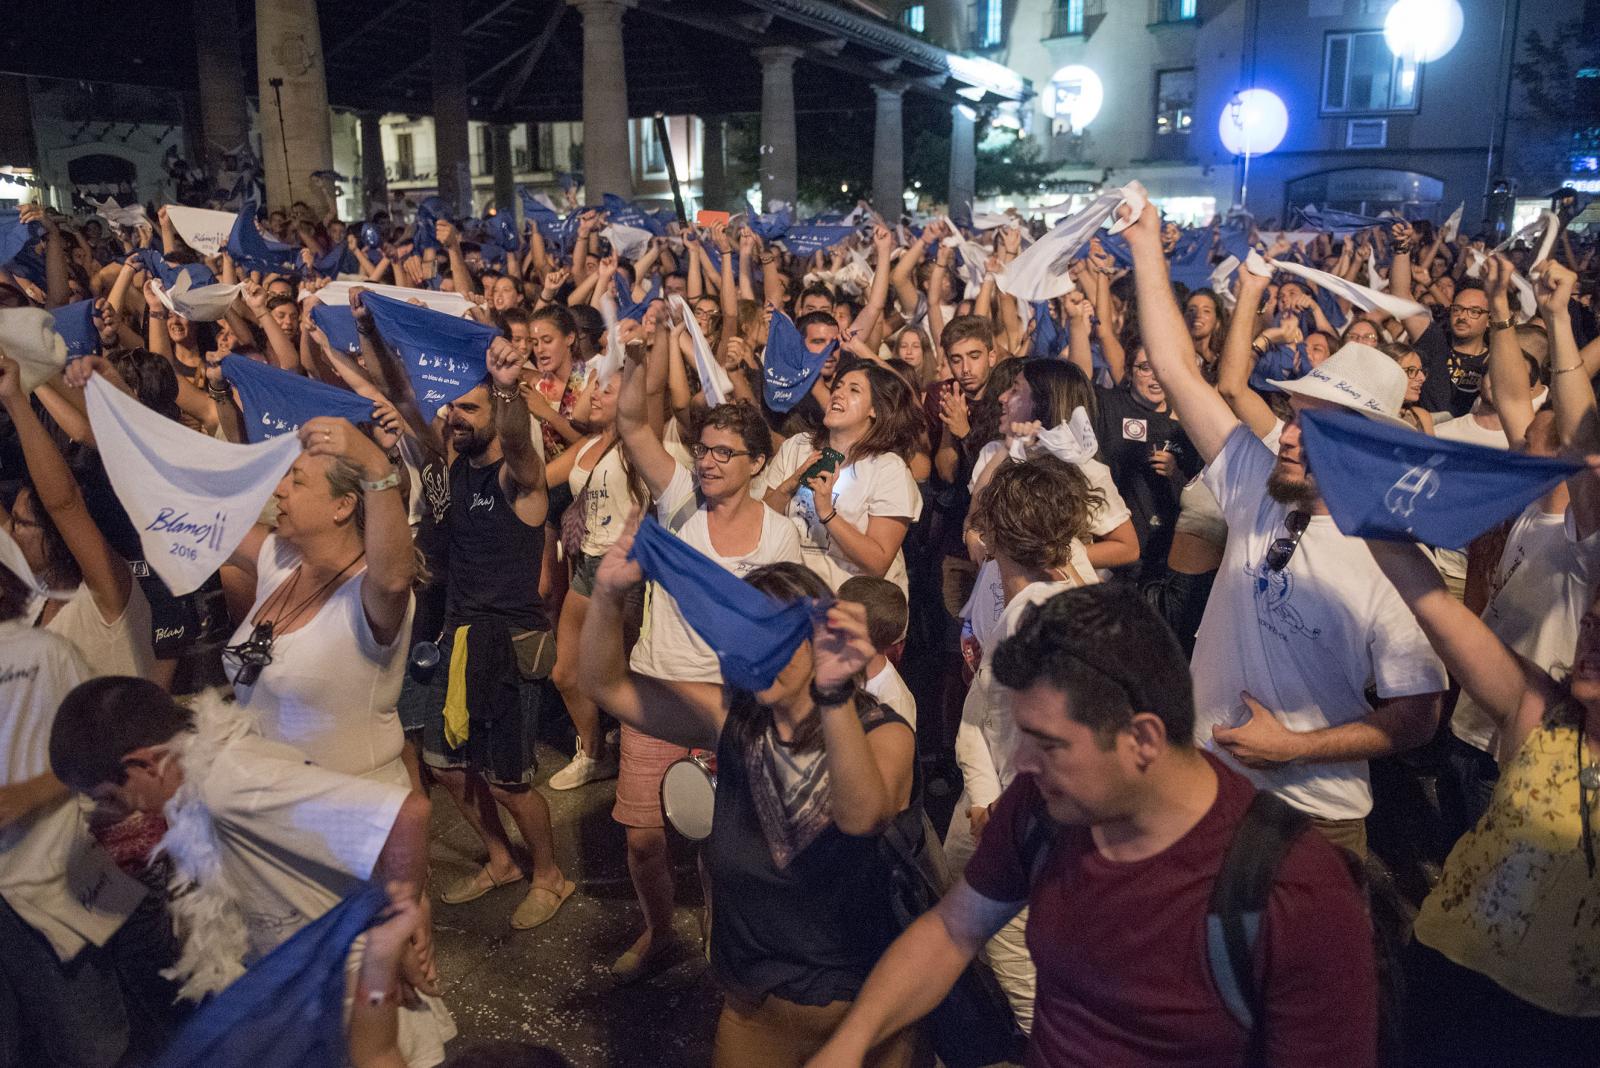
x,y
713,165
607,162
963,162
16,128
289,51
505,178
374,178
888,153
451,151
780,180
224,118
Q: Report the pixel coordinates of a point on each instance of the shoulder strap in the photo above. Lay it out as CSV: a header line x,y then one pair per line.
x,y
1238,903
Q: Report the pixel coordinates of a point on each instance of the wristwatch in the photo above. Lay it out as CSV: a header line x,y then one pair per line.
x,y
1502,324
833,698
389,481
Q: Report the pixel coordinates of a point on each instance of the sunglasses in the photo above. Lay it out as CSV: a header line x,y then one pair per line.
x,y
252,654
1281,551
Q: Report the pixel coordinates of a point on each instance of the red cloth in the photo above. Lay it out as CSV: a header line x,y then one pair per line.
x,y
1120,948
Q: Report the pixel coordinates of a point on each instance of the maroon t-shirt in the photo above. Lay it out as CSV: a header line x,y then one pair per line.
x,y
1120,948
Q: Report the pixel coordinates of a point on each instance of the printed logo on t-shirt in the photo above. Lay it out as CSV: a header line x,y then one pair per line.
x,y
1274,590
1135,430
481,500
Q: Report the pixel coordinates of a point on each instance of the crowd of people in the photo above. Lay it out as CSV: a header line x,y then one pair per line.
x,y
1237,784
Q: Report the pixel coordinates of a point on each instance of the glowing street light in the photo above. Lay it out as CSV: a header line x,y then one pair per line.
x,y
1253,123
1422,30
1076,95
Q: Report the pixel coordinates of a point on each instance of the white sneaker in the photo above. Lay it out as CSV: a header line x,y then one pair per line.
x,y
582,770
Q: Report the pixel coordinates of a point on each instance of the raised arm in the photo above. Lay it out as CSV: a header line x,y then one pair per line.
x,y
1571,392
1206,417
106,573
1239,358
522,478
1508,371
386,537
639,440
1400,277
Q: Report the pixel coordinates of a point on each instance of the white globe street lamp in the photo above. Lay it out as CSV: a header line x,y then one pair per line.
x,y
1253,123
1422,30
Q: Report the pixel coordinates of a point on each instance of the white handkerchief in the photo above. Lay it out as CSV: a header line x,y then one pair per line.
x,y
1361,296
131,216
1552,227
1374,279
1452,225
1133,195
28,335
1219,280
629,241
611,362
437,299
1256,265
191,497
713,379
1529,304
1475,261
202,229
1072,442
200,304
1040,271
14,561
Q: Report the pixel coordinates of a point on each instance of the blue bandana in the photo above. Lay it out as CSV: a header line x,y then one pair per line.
x,y
626,307
75,324
1331,221
287,1009
788,367
754,635
767,227
559,233
279,402
629,214
338,324
1394,484
1049,337
334,262
1235,242
14,234
252,251
1190,259
429,212
804,241
157,266
445,356
502,230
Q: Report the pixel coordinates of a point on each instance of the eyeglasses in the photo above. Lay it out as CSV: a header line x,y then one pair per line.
x,y
252,654
1414,372
1281,551
720,453
1470,313
1143,369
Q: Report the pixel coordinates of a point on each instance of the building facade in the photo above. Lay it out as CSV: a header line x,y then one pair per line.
x,y
1138,88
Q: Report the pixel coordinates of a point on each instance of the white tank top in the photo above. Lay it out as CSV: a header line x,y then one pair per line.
x,y
607,505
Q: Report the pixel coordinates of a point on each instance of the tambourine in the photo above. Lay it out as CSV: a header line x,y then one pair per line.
x,y
689,795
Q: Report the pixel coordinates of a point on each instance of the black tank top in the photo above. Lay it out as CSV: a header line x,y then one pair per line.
x,y
494,556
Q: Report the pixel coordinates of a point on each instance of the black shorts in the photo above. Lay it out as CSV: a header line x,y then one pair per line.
x,y
505,752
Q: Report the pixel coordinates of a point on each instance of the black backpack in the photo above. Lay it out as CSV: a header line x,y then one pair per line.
x,y
1239,902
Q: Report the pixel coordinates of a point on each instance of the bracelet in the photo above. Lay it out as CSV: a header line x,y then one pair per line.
x,y
1563,370
829,519
160,315
506,395
389,481
833,698
217,392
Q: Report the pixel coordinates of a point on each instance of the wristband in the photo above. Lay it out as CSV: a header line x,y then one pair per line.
x,y
389,481
1501,324
829,518
833,698
159,315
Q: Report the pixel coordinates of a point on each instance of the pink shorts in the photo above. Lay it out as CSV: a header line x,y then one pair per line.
x,y
644,761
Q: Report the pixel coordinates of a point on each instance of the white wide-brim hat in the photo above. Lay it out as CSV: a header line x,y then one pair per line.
x,y
1358,377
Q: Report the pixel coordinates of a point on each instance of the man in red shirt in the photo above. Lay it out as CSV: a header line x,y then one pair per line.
x,y
1118,894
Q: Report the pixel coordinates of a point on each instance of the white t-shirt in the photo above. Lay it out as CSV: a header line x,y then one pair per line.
x,y
52,873
888,687
1538,591
986,741
1102,521
1306,641
879,485
124,646
330,690
606,504
668,647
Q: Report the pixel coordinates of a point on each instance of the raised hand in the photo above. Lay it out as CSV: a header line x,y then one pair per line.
x,y
840,645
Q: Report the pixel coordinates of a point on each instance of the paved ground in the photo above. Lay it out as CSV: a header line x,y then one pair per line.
x,y
549,988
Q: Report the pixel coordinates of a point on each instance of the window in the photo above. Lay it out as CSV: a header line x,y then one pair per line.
x,y
1174,101
1360,74
991,23
1066,18
654,160
541,146
915,18
1175,10
405,158
484,164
